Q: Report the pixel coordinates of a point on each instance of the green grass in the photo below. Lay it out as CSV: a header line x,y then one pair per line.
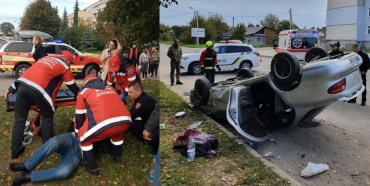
x,y
132,170
233,165
185,44
263,45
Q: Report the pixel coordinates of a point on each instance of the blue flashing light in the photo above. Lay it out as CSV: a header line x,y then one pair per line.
x,y
58,41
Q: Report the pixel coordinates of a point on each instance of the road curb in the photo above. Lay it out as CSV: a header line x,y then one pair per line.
x,y
266,56
276,169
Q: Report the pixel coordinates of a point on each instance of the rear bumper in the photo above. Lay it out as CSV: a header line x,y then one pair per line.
x,y
353,95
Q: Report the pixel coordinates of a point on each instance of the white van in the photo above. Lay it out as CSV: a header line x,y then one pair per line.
x,y
298,42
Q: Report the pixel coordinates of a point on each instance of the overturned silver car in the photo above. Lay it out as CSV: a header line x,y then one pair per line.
x,y
291,93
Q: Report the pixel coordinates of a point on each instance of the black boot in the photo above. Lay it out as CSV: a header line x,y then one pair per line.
x,y
21,179
179,82
15,156
171,83
116,159
15,167
92,169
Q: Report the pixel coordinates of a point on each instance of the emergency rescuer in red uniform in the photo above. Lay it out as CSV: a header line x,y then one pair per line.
x,y
100,113
208,62
39,86
123,70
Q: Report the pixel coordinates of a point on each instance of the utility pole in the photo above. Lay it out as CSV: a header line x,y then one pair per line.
x,y
233,22
291,21
197,27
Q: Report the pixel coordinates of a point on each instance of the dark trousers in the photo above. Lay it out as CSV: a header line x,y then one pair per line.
x,y
210,75
151,69
363,76
175,66
155,69
26,97
137,128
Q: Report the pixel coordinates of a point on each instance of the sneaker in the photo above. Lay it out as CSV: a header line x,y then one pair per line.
x,y
363,104
171,84
179,83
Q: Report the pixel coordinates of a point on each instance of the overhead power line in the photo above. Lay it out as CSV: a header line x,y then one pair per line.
x,y
308,17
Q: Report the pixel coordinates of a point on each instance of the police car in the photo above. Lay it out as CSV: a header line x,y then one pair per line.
x,y
17,56
230,56
298,42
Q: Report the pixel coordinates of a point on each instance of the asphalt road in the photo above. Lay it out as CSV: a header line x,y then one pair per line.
x,y
342,143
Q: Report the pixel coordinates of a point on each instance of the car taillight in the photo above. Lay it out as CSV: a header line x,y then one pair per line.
x,y
257,54
337,87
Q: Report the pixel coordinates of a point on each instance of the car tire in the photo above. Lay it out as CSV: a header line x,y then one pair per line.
x,y
21,69
245,73
315,52
91,69
194,68
202,89
245,65
285,70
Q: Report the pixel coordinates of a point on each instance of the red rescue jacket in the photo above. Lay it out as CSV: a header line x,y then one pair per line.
x,y
124,76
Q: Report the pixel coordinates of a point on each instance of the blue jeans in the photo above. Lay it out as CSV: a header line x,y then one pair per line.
x,y
69,158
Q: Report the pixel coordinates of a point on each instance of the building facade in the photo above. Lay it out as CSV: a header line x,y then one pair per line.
x,y
348,21
90,13
256,35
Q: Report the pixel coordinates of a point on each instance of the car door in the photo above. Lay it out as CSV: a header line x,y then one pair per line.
x,y
234,55
50,50
221,55
241,114
76,59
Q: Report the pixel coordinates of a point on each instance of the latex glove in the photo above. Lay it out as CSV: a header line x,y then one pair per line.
x,y
122,96
219,68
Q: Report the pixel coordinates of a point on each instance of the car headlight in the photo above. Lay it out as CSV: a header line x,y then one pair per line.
x,y
184,58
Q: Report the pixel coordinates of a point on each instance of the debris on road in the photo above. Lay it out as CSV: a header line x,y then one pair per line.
x,y
162,126
254,145
179,114
355,174
270,154
303,155
313,169
274,140
194,125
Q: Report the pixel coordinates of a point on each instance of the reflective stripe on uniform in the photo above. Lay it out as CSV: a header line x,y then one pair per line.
x,y
209,58
87,148
209,68
117,142
70,82
109,83
83,111
126,89
138,118
14,86
76,131
131,79
201,65
40,89
83,91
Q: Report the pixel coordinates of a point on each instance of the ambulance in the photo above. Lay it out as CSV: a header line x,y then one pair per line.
x,y
298,42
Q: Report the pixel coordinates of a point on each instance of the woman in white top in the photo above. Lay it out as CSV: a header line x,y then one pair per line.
x,y
144,62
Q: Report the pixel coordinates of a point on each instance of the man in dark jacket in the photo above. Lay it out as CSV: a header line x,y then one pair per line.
x,y
335,49
175,54
363,69
151,132
141,111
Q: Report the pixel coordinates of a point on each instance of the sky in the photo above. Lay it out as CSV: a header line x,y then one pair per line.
x,y
12,10
304,13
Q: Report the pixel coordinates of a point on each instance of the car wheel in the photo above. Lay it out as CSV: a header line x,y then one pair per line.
x,y
245,65
194,68
314,54
245,73
202,89
21,69
285,70
91,69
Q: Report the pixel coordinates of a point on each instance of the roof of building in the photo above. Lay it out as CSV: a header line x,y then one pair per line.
x,y
250,30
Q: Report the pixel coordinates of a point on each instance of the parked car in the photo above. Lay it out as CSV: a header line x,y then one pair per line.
x,y
17,56
229,57
3,41
289,94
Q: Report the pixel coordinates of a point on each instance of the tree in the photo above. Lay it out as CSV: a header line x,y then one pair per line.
x,y
64,22
88,41
164,33
285,25
75,15
312,28
270,21
132,20
250,25
178,30
40,15
166,3
6,27
73,35
239,32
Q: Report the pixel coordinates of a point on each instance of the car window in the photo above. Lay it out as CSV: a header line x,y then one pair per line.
x,y
62,48
237,49
50,49
302,43
19,47
2,43
220,49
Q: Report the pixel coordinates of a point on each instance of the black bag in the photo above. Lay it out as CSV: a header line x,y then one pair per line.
x,y
204,144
